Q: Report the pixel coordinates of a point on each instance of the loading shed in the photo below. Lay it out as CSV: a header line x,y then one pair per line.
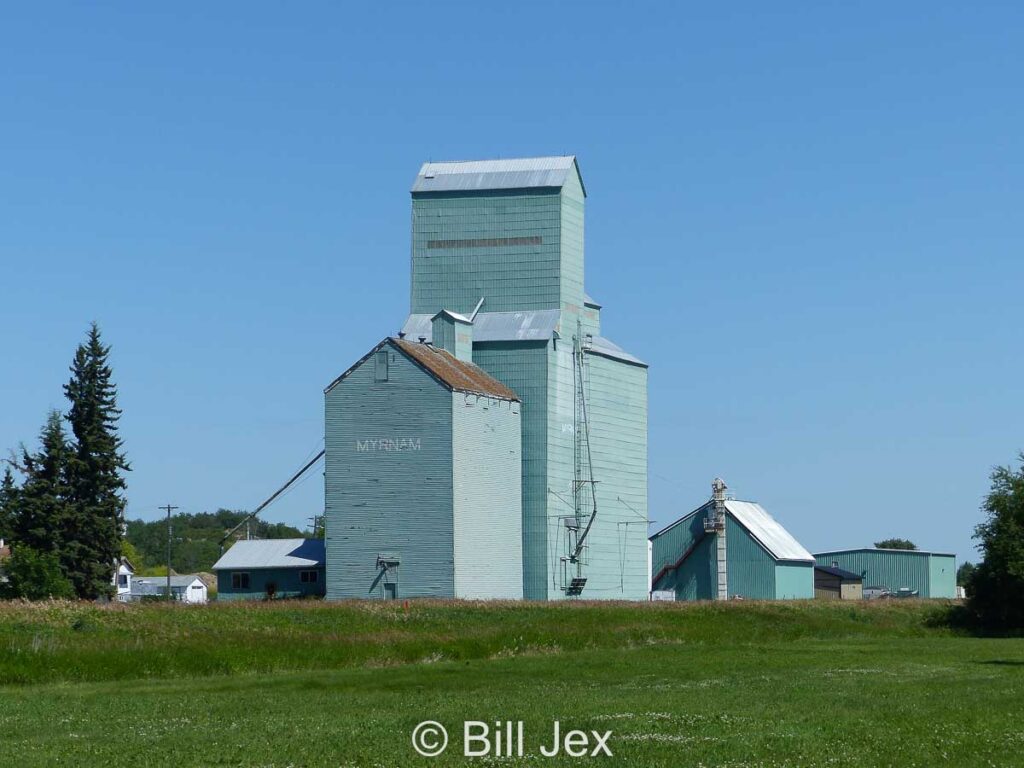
x,y
727,549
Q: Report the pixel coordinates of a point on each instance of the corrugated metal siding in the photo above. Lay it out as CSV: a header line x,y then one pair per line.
x,y
695,579
794,581
885,568
941,576
617,410
488,515
383,500
511,277
751,570
523,367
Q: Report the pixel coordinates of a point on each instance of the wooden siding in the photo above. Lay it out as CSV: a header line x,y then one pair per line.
x,y
511,277
488,517
388,482
287,583
523,366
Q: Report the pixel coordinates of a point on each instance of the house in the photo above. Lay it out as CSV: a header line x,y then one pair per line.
x,y
423,474
899,572
263,568
729,549
833,583
122,579
186,589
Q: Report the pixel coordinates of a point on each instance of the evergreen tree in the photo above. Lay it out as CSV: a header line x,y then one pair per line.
x,y
41,504
8,501
92,535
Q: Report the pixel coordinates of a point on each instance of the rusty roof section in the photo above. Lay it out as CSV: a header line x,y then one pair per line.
x,y
454,373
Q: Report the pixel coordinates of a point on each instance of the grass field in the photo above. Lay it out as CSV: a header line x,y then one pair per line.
x,y
799,684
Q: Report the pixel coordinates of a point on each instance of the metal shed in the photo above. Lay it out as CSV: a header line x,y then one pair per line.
x,y
727,549
929,574
261,568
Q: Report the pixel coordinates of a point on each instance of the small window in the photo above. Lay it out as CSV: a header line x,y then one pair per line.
x,y
239,580
380,372
308,577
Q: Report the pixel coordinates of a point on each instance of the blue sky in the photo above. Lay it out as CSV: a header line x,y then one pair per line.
x,y
806,217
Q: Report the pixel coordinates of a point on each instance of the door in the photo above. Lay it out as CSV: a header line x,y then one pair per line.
x,y
390,591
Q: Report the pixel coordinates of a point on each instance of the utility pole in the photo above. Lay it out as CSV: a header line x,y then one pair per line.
x,y
169,509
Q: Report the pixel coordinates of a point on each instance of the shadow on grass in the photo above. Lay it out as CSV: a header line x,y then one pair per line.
x,y
1003,662
959,618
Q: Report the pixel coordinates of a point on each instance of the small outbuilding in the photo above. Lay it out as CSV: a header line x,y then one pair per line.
x,y
187,588
266,568
729,549
123,573
833,583
898,571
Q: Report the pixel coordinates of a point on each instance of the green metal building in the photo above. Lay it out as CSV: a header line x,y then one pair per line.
x,y
728,549
422,475
930,574
500,243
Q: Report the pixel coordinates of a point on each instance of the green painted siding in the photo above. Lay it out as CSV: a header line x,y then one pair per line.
x,y
794,581
941,576
895,569
287,583
523,366
488,518
573,201
617,411
511,277
695,578
751,570
389,497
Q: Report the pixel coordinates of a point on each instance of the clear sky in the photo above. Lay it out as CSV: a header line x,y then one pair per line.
x,y
807,217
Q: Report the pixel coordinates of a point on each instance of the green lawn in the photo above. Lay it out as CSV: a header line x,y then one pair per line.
x,y
337,685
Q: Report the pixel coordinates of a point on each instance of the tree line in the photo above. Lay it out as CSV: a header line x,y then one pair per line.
x,y
62,505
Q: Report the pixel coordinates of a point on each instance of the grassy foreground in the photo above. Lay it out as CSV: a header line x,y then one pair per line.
x,y
755,684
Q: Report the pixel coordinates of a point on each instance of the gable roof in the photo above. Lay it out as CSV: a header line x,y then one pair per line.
x,y
457,375
763,528
511,173
161,581
273,553
882,549
766,529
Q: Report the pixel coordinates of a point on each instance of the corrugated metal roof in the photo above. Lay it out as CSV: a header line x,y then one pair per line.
x,y
879,549
161,581
453,315
766,529
459,375
536,325
608,348
273,553
590,301
513,173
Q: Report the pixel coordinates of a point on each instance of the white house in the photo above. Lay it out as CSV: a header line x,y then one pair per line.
x,y
123,580
188,589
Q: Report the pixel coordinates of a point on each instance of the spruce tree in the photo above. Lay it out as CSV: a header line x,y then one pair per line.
x,y
92,535
40,506
8,500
